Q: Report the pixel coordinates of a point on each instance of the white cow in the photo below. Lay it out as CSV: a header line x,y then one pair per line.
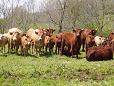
x,y
99,40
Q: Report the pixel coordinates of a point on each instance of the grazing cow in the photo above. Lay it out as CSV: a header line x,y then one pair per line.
x,y
71,40
84,34
25,45
99,53
99,40
3,42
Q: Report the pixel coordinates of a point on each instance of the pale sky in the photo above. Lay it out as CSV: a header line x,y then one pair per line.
x,y
37,3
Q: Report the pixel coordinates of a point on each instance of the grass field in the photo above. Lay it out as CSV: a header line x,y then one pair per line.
x,y
54,70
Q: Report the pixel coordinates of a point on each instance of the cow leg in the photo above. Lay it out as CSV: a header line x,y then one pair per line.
x,y
83,46
17,47
71,50
46,47
58,50
8,47
62,47
55,48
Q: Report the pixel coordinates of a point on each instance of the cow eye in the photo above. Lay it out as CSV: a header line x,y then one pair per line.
x,y
11,33
36,32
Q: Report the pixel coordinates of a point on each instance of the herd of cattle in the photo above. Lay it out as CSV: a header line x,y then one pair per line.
x,y
68,43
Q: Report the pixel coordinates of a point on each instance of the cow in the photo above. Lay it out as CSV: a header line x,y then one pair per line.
x,y
14,39
71,40
52,43
46,42
38,38
49,31
84,34
99,53
99,40
89,42
3,42
111,36
25,45
58,41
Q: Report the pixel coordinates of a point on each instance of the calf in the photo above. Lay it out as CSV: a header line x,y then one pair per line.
x,y
3,42
25,45
46,42
58,41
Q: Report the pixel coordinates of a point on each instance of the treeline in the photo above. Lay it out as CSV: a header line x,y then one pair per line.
x,y
62,14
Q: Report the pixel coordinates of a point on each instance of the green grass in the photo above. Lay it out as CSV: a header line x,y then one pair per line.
x,y
54,70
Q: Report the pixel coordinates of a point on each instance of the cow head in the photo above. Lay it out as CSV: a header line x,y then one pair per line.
x,y
49,32
77,32
16,35
47,39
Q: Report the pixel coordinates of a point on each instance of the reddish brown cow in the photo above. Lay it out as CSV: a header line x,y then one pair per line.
x,y
89,42
52,43
111,36
84,34
58,42
72,41
99,53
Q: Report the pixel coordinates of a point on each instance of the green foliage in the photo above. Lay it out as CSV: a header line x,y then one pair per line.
x,y
55,71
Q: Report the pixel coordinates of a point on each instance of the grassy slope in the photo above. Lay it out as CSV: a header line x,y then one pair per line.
x,y
54,71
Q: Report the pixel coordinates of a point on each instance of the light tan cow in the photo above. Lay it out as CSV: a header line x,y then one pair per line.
x,y
25,45
38,38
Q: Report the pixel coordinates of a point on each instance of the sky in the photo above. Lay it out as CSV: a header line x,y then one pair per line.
x,y
37,3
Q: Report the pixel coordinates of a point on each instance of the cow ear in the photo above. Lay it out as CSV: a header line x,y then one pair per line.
x,y
53,30
112,32
23,34
74,30
56,36
47,29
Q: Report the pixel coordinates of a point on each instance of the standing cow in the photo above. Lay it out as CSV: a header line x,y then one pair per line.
x,y
71,40
84,34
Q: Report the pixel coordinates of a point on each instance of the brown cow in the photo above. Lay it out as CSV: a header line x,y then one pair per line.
x,y
84,34
72,42
111,36
46,42
89,42
25,45
58,41
3,42
49,31
52,43
99,53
